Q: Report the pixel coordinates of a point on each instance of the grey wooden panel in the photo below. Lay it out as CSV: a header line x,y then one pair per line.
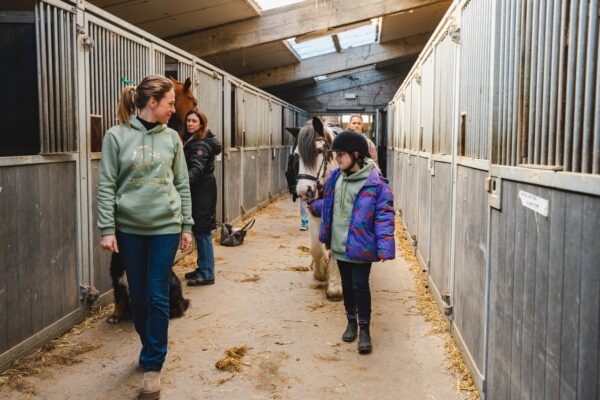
x,y
45,188
423,209
440,226
25,223
249,170
233,164
274,185
4,283
571,297
517,297
555,295
397,179
497,312
263,175
545,308
39,248
10,261
100,259
470,256
390,168
32,259
540,318
589,311
533,228
412,193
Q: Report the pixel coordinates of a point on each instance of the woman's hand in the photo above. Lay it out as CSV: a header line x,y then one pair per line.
x,y
186,241
109,243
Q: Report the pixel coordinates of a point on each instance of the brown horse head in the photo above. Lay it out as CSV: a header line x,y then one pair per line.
x,y
185,100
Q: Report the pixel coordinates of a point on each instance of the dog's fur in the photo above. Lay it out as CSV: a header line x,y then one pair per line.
x,y
177,303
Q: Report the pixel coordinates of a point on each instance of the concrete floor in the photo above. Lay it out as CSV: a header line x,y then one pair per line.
x,y
292,330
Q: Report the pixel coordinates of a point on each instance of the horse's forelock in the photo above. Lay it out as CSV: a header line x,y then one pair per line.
x,y
307,147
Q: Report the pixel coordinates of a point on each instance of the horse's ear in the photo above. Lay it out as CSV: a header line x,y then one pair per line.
x,y
172,79
187,85
318,126
293,130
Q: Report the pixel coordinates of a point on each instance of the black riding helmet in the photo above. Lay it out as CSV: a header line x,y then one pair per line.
x,y
350,141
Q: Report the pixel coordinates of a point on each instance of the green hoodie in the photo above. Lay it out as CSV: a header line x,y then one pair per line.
x,y
346,189
143,187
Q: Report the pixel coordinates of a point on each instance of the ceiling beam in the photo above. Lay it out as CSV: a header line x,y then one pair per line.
x,y
351,58
291,21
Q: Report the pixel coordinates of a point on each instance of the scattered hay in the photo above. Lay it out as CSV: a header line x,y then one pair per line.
x,y
299,268
186,262
304,249
425,305
316,306
237,352
229,364
251,278
58,352
329,357
318,285
233,361
223,380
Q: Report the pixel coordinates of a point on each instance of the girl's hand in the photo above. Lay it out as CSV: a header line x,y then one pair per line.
x,y
109,243
186,241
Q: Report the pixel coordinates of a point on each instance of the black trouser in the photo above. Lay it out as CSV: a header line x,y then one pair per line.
x,y
355,286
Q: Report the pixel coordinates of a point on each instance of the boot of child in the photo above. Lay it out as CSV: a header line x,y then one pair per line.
x,y
364,338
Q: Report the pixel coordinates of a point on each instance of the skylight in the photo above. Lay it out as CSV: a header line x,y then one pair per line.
x,y
314,47
359,36
269,4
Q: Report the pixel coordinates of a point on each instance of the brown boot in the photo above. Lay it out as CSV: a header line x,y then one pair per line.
x,y
150,386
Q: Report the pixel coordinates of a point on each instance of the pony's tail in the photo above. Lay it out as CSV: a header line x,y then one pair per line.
x,y
126,106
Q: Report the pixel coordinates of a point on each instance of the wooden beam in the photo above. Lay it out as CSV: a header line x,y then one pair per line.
x,y
347,82
354,57
289,22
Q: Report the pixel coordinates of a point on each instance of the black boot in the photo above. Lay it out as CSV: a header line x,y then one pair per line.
x,y
351,330
364,340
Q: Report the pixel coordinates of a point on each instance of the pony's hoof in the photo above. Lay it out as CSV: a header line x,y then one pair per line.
x,y
113,319
336,296
319,277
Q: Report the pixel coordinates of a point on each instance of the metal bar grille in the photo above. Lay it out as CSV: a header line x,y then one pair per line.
x,y
55,30
113,56
550,49
475,50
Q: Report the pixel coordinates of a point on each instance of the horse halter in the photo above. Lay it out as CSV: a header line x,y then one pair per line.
x,y
321,171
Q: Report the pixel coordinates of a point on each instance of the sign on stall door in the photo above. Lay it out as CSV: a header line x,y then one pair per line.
x,y
533,202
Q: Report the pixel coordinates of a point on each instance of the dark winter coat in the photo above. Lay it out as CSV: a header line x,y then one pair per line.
x,y
200,157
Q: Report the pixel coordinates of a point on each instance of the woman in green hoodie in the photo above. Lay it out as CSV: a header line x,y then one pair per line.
x,y
144,211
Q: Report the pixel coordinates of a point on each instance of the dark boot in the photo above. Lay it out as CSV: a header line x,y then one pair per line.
x,y
351,331
364,340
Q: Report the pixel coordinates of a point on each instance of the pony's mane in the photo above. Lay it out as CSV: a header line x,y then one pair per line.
x,y
307,147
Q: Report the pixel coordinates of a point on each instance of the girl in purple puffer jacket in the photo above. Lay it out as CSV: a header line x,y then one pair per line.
x,y
357,224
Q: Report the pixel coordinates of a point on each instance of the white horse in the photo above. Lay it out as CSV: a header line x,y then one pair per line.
x,y
315,162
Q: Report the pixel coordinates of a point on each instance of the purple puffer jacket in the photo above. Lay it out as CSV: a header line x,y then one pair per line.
x,y
371,230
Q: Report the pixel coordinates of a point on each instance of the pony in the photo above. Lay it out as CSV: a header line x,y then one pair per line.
x,y
315,160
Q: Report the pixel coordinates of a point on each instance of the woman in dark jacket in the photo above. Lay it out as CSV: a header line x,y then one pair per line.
x,y
201,147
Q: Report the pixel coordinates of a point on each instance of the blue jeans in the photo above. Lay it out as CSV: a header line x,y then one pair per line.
x,y
206,255
148,261
303,212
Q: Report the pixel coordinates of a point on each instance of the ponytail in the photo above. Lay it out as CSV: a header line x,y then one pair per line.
x,y
126,105
152,86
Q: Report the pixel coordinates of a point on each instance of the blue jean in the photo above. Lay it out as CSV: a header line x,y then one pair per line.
x,y
303,212
356,291
206,255
148,261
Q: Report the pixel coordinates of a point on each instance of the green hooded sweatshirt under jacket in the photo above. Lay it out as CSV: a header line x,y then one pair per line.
x,y
346,189
143,187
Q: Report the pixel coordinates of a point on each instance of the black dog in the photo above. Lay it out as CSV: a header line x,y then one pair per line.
x,y
177,303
